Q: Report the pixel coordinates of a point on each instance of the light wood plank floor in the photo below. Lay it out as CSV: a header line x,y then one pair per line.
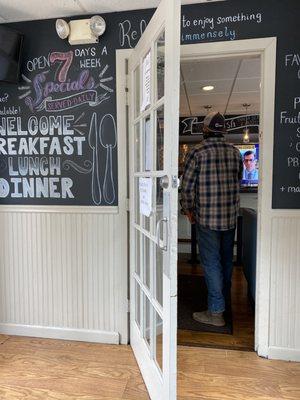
x,y
213,374
44,369
242,314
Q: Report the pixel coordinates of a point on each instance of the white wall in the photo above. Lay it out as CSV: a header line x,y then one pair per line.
x,y
62,274
64,270
285,284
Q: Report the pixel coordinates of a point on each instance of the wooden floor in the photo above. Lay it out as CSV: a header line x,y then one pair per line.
x,y
43,369
243,316
210,374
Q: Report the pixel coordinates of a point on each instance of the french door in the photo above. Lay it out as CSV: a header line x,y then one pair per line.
x,y
153,125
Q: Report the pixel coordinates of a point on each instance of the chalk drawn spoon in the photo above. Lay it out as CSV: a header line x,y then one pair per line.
x,y
93,143
107,137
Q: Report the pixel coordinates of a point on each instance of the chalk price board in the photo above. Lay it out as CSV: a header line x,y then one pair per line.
x,y
286,178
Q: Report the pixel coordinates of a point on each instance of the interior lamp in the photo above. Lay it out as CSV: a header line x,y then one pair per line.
x,y
207,108
81,31
208,88
97,25
246,138
62,28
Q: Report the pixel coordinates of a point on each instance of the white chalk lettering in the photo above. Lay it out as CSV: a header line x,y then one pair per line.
x,y
37,187
90,63
293,162
285,118
4,188
46,125
42,145
294,189
296,102
38,63
127,35
292,60
23,166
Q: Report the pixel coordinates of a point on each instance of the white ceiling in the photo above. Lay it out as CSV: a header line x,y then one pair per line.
x,y
236,81
221,74
17,10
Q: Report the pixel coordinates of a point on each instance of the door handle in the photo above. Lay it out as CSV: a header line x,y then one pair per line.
x,y
165,240
164,182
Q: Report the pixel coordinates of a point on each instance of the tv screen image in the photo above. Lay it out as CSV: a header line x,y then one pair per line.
x,y
250,156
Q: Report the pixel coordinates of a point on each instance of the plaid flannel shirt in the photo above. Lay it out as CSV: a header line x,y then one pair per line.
x,y
211,183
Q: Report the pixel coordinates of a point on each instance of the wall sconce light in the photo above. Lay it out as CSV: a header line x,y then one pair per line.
x,y
207,108
81,31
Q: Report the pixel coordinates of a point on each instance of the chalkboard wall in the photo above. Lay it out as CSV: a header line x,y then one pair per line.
x,y
57,137
235,124
235,20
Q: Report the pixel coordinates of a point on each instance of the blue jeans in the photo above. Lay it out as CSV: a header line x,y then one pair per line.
x,y
216,255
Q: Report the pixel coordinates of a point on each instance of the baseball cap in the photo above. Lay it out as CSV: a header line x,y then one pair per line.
x,y
215,122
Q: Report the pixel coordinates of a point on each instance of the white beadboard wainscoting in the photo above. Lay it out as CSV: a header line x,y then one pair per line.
x,y
64,274
285,289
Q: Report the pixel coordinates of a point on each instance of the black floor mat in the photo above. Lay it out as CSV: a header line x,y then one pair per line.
x,y
192,297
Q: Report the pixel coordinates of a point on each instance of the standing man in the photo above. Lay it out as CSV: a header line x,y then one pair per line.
x,y
210,198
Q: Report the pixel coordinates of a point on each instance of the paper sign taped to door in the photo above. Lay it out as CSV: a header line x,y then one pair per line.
x,y
145,192
146,82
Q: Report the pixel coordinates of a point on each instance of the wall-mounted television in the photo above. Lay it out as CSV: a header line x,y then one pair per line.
x,y
10,54
250,156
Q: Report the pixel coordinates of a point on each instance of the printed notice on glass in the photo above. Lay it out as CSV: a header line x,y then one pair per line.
x,y
145,191
146,82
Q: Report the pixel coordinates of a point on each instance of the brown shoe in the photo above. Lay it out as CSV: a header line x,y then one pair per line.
x,y
209,318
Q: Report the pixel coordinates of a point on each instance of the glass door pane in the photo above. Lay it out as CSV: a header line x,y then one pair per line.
x,y
160,66
160,138
137,103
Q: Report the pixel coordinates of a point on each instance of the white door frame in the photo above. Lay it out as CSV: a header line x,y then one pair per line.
x,y
123,176
266,48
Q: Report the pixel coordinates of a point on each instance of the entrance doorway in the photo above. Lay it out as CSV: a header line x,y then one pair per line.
x,y
230,85
266,50
261,52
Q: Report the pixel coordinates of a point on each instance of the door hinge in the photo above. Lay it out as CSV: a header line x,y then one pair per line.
x,y
127,96
128,305
127,204
126,83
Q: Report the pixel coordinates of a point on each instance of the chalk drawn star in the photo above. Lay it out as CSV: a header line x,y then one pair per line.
x,y
27,87
77,127
102,80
